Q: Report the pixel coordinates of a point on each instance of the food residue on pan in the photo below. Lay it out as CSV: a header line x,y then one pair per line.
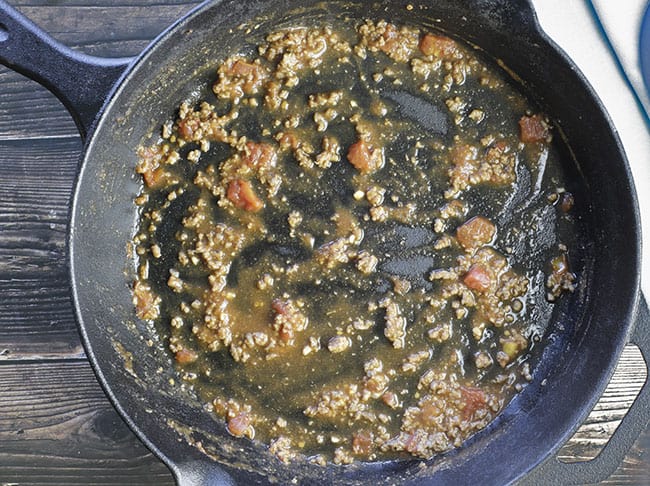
x,y
334,245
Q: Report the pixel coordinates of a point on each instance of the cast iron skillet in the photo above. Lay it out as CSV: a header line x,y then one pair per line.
x,y
131,98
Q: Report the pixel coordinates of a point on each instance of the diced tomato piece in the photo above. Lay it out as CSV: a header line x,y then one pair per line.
x,y
288,140
153,177
364,157
477,278
390,399
416,441
243,68
476,232
238,425
259,155
185,356
566,203
187,127
391,36
279,306
252,74
149,165
241,194
438,46
533,129
362,442
474,399
286,334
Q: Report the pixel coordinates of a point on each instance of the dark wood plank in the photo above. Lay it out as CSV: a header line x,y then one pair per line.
x,y
111,29
57,427
100,28
28,110
35,310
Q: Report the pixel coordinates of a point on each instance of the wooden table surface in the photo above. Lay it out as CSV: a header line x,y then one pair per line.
x,y
56,425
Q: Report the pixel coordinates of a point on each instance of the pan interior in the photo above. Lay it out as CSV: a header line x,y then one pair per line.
x,y
132,360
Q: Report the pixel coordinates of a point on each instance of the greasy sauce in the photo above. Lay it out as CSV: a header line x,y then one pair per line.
x,y
347,247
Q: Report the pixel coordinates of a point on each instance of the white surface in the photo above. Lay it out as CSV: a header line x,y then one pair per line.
x,y
571,24
622,20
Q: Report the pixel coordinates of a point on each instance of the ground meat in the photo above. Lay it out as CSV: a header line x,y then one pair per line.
x,y
150,161
261,156
147,304
511,346
560,278
366,262
204,124
338,344
239,77
282,449
435,424
395,330
472,166
398,43
332,253
291,281
289,320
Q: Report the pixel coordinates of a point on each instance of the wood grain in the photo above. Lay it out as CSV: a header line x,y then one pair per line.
x,y
593,434
57,427
36,315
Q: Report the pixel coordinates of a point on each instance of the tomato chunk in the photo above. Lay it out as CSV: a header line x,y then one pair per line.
x,y
362,442
533,129
474,399
477,278
259,155
187,127
241,194
253,75
185,356
566,202
476,232
153,177
280,306
243,68
438,46
238,425
365,158
149,165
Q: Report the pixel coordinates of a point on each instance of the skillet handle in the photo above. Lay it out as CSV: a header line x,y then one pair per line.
x,y
80,81
199,473
554,472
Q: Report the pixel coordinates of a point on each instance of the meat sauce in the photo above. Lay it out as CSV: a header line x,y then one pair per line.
x,y
328,244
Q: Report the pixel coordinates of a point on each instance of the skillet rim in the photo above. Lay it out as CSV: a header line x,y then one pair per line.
x,y
102,120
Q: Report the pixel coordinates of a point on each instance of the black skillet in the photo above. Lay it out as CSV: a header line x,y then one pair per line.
x,y
117,102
